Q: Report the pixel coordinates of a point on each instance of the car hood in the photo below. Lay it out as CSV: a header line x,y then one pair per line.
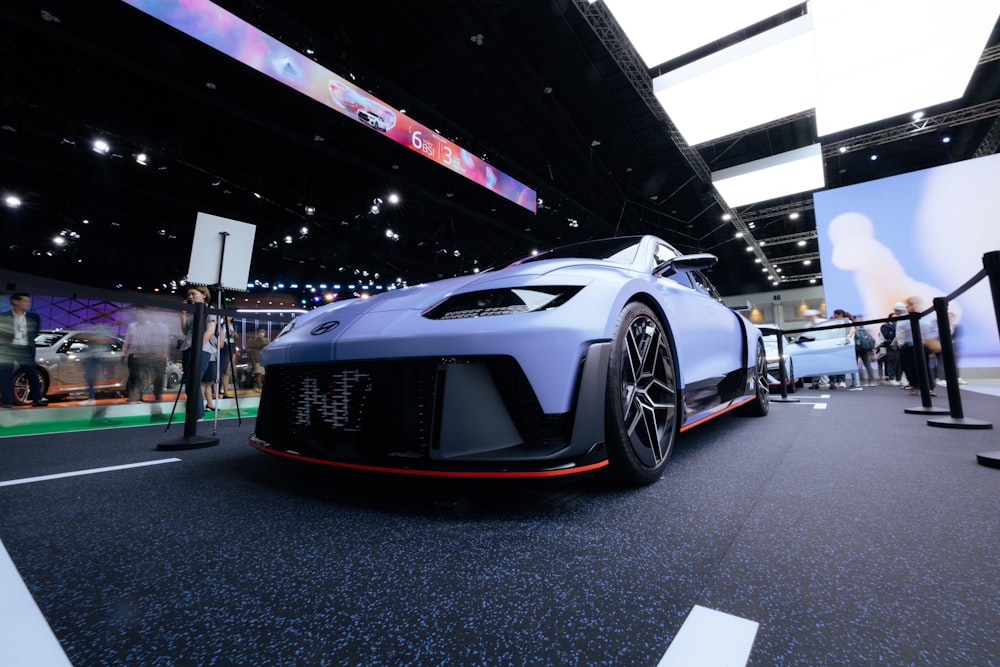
x,y
396,315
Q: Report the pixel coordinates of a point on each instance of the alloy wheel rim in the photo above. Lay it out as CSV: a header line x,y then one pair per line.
x,y
648,391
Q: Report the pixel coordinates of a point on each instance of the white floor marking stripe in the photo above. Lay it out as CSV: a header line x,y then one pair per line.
x,y
710,638
92,471
25,636
819,406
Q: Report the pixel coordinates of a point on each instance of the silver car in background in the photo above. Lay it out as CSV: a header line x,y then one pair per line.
x,y
60,357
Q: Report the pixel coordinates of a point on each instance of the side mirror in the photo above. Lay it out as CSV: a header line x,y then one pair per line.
x,y
77,348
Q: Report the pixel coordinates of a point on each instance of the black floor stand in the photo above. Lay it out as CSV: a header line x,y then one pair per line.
x,y
191,439
989,459
782,377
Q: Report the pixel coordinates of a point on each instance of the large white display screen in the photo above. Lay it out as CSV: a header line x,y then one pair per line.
x,y
919,234
226,32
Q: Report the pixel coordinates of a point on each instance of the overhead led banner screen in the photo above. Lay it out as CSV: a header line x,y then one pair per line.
x,y
225,32
919,234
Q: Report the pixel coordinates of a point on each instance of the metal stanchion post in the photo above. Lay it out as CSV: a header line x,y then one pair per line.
x,y
191,439
957,418
920,359
782,376
991,262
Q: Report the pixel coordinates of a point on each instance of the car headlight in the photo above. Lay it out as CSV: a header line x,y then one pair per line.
x,y
285,329
502,301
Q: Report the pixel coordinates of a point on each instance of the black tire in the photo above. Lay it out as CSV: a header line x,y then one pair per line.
x,y
172,381
22,389
642,398
761,403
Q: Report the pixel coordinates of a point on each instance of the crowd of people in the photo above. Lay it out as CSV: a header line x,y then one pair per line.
x,y
890,357
150,342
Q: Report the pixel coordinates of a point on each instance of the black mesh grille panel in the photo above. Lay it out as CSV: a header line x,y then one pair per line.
x,y
384,412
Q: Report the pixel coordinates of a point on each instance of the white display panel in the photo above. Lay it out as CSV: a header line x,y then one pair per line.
x,y
919,234
209,266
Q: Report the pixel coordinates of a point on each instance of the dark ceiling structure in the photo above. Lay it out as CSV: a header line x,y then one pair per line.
x,y
544,90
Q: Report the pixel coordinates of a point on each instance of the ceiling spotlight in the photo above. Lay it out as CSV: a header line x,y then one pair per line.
x,y
873,157
749,248
59,240
794,215
310,210
476,39
738,235
843,149
917,115
101,146
945,139
288,239
727,217
806,262
304,231
256,194
12,201
801,243
141,158
393,198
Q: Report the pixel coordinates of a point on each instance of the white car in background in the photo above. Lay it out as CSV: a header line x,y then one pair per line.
x,y
821,351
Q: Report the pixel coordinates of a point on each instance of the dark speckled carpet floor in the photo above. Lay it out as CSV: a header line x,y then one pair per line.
x,y
854,535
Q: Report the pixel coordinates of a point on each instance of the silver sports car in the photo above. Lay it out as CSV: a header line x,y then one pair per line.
x,y
590,356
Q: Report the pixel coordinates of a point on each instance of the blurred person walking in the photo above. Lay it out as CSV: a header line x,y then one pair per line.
x,y
147,346
254,346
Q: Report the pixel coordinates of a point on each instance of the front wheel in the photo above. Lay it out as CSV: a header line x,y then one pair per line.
x,y
642,398
22,388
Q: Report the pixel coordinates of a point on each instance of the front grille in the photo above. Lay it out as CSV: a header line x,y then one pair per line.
x,y
384,412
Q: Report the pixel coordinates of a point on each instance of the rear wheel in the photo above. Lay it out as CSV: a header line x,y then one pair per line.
x,y
642,398
761,403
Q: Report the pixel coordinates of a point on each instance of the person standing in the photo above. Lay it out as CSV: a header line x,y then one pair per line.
x,y
887,332
18,329
904,342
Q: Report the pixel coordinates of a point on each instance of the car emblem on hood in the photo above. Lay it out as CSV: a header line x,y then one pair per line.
x,y
326,327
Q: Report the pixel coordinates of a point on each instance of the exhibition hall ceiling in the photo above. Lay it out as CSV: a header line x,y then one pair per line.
x,y
539,89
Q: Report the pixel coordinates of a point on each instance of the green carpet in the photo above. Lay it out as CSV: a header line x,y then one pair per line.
x,y
62,420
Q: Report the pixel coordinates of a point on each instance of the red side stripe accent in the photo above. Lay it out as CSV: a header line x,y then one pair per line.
x,y
720,412
439,473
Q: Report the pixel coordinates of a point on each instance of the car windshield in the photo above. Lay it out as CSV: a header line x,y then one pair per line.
x,y
622,250
48,338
